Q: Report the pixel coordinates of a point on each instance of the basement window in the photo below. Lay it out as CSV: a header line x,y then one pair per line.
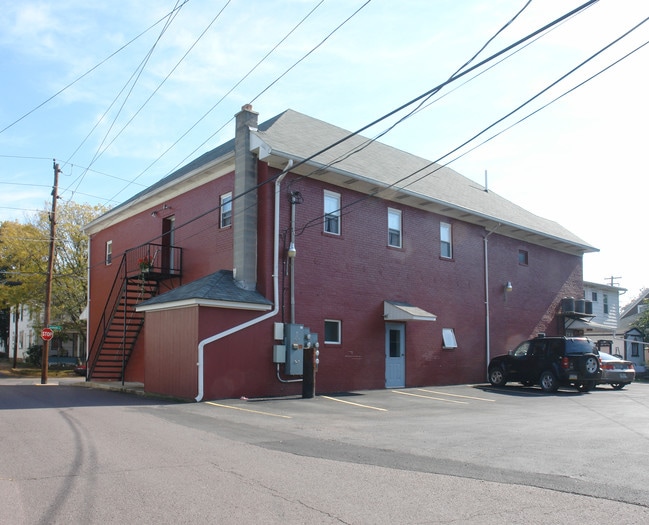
x,y
448,337
332,332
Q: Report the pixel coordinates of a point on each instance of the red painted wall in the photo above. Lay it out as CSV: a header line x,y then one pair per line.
x,y
347,278
206,248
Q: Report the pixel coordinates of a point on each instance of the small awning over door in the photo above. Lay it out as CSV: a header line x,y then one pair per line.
x,y
400,311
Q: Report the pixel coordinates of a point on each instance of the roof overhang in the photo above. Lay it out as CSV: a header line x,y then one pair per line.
x,y
339,177
399,311
157,195
206,303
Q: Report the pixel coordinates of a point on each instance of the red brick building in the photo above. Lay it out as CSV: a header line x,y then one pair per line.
x,y
406,272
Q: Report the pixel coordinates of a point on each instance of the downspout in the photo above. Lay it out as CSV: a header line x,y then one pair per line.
x,y
272,313
486,293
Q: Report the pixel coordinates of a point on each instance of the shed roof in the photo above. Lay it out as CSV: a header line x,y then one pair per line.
x,y
217,290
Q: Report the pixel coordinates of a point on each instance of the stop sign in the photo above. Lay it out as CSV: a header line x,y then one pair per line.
x,y
47,334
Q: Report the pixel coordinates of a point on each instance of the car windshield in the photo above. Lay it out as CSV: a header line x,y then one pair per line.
x,y
579,346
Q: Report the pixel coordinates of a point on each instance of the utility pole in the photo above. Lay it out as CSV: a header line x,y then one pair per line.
x,y
50,271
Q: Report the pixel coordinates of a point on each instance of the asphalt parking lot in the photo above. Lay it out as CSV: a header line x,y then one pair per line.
x,y
595,443
462,454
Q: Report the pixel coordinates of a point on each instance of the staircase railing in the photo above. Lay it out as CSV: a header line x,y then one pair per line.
x,y
148,263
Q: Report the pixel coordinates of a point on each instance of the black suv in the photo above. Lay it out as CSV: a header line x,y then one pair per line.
x,y
550,362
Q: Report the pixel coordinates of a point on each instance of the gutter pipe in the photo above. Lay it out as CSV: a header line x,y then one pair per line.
x,y
201,346
486,293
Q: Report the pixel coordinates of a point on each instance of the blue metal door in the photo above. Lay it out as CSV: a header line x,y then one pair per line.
x,y
395,355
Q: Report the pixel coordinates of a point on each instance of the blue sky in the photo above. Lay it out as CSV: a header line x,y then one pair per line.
x,y
132,120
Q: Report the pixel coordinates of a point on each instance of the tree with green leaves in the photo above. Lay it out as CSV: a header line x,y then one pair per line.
x,y
23,264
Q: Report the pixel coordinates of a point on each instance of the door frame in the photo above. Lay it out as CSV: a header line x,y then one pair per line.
x,y
395,366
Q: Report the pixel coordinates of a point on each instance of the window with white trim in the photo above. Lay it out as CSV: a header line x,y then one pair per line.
x,y
332,331
109,252
605,300
332,212
394,228
446,240
448,338
226,210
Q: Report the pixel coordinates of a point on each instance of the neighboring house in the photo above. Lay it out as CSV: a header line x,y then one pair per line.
x,y
597,315
25,325
636,349
209,283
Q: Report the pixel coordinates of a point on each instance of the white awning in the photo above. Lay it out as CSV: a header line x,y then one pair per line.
x,y
399,311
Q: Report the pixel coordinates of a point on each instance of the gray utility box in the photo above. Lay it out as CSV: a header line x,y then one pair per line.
x,y
297,338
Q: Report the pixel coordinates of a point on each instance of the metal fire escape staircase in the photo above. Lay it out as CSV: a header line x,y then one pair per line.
x,y
138,278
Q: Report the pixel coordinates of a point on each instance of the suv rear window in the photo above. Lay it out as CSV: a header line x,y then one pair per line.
x,y
579,346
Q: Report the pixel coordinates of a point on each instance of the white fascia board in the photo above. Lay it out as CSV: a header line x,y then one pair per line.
x,y
188,303
264,151
173,188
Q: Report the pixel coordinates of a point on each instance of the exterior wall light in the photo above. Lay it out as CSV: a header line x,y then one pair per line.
x,y
508,286
292,252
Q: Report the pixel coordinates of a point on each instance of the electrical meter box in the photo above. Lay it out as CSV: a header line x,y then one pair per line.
x,y
297,338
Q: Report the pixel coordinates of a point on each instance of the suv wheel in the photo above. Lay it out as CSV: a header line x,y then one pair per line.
x,y
497,376
590,364
548,382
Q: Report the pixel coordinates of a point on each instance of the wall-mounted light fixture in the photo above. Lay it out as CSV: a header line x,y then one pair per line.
x,y
154,213
292,252
508,286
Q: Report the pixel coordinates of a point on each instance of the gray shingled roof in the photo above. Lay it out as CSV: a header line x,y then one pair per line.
x,y
219,286
299,136
296,136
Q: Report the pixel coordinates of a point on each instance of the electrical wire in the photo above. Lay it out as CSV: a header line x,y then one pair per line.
x,y
132,81
153,93
395,111
398,184
90,70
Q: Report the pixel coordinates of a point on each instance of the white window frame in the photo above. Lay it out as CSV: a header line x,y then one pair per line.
x,y
449,339
339,330
331,205
109,253
394,228
225,215
446,240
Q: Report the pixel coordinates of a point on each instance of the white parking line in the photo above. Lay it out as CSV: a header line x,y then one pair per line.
x,y
355,404
457,395
248,410
430,397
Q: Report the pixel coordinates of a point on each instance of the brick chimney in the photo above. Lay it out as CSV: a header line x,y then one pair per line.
x,y
244,207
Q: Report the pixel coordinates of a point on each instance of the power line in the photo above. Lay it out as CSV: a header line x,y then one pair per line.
x,y
398,184
400,108
217,103
100,151
90,70
133,80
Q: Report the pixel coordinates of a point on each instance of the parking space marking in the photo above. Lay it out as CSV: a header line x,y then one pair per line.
x,y
431,397
248,410
457,395
355,404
